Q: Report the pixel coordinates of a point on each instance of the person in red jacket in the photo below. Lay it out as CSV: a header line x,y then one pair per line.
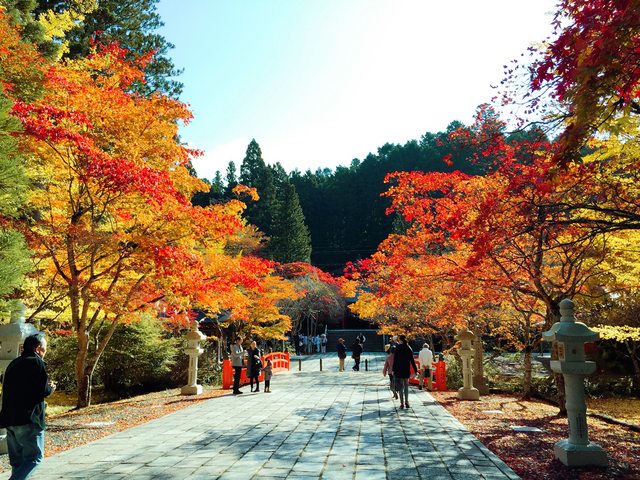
x,y
24,388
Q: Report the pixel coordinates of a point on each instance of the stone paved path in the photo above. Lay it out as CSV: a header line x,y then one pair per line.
x,y
314,425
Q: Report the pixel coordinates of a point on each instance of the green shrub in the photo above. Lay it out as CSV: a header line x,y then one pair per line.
x,y
544,387
609,385
454,372
61,361
138,358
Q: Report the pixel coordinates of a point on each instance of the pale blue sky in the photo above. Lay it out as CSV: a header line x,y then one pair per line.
x,y
320,82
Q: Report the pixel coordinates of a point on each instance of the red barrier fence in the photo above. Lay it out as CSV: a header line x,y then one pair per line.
x,y
280,361
438,376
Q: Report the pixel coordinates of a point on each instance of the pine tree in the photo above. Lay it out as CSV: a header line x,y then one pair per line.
x,y
255,173
290,240
217,186
231,178
133,26
14,257
21,11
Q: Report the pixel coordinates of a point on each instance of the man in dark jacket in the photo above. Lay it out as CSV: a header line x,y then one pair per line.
x,y
356,351
402,362
24,388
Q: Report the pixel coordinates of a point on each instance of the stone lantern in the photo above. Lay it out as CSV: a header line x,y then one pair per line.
x,y
467,392
194,337
570,337
12,336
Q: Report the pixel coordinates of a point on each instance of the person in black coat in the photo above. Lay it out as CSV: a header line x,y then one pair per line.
x,y
296,343
24,388
402,362
356,351
254,365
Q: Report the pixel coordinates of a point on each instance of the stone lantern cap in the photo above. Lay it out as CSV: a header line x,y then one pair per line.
x,y
194,334
17,328
465,335
466,340
12,335
567,329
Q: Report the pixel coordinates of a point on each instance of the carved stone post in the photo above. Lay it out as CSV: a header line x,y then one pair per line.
x,y
194,337
569,337
467,392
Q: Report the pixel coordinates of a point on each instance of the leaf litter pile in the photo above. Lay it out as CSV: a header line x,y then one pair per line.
x,y
530,454
77,427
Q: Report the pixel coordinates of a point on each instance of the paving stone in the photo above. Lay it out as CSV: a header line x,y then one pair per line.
x,y
274,472
145,471
191,462
123,468
307,467
465,476
371,475
175,474
402,473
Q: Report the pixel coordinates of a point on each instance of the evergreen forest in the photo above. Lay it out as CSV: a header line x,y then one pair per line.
x,y
343,211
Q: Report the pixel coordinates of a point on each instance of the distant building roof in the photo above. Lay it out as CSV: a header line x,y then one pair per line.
x,y
204,317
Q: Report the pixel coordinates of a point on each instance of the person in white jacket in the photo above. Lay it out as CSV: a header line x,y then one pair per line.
x,y
425,357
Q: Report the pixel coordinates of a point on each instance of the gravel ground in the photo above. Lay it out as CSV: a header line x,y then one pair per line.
x,y
530,455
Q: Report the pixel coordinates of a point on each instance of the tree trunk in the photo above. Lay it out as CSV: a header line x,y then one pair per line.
x,y
526,382
83,383
632,348
84,391
86,365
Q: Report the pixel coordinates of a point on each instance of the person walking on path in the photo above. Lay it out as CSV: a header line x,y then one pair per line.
x,y
402,363
425,357
237,362
296,344
323,343
388,368
356,351
342,353
268,372
24,388
393,343
254,364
